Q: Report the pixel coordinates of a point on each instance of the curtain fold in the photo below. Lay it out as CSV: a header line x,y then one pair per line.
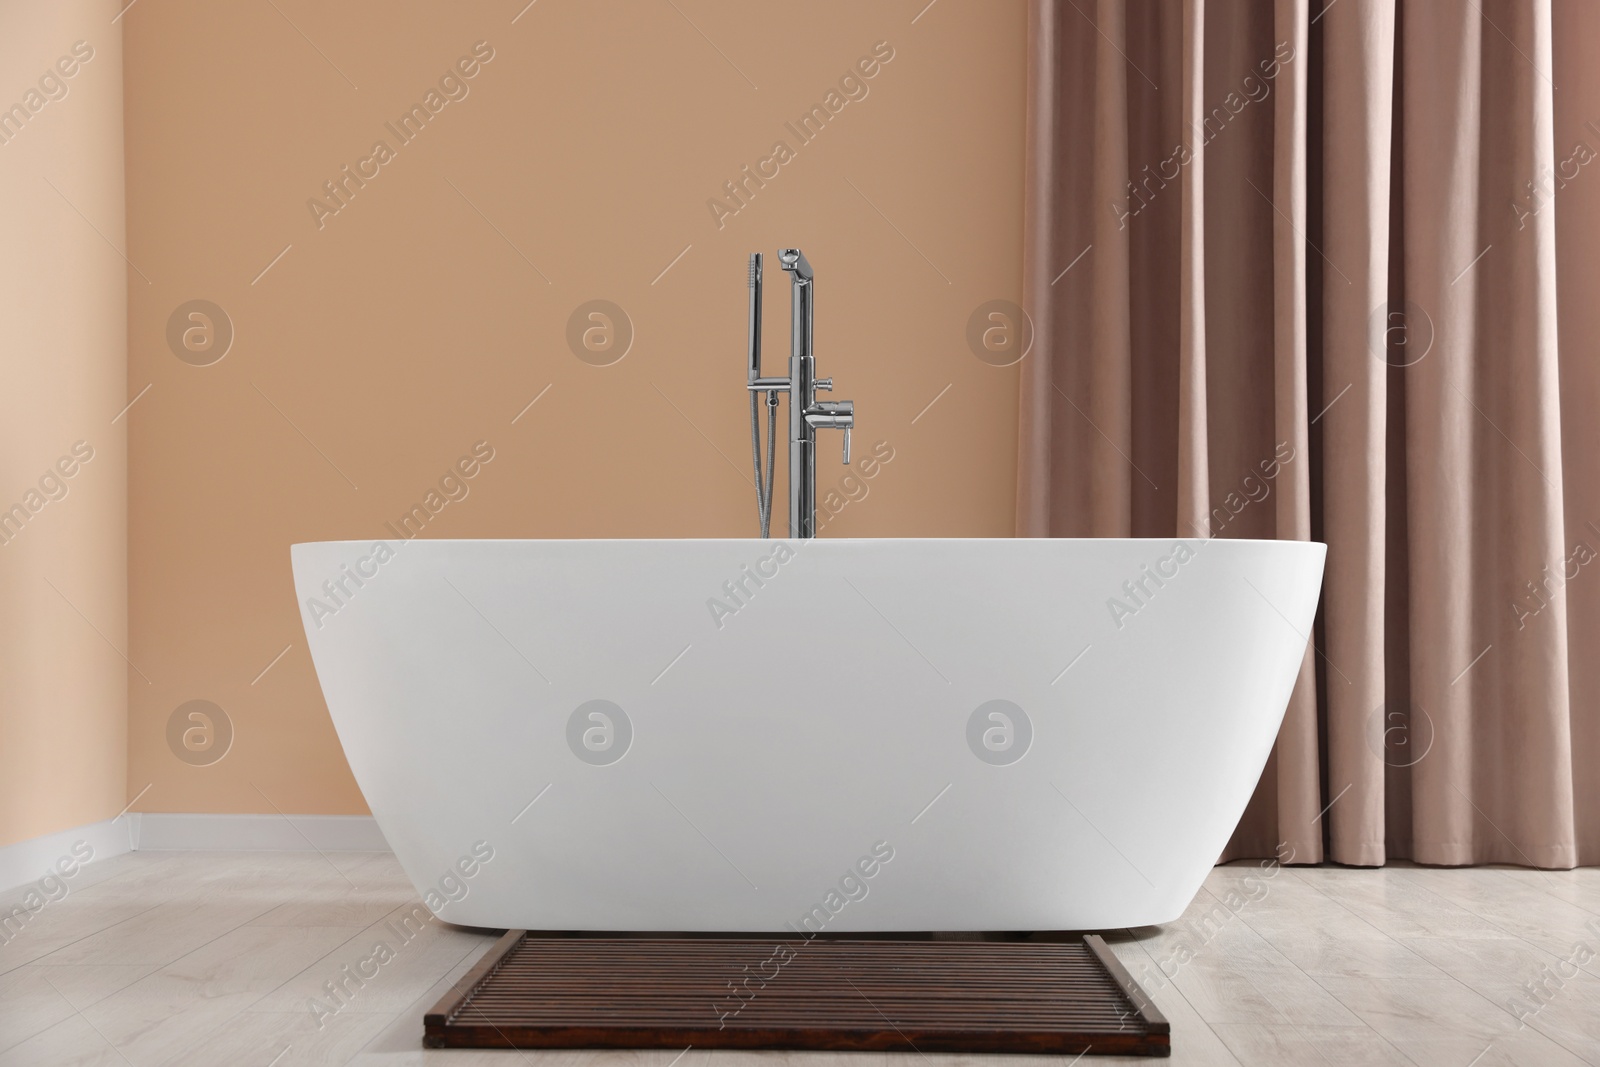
x,y
1194,498
1356,127
1320,240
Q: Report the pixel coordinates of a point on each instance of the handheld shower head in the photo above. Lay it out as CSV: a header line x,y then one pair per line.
x,y
753,365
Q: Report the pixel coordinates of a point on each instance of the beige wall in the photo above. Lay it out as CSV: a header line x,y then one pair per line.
x,y
429,310
63,311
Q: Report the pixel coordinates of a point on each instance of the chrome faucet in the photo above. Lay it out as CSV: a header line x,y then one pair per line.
x,y
807,415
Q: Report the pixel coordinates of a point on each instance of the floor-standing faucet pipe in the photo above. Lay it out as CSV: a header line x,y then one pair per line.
x,y
806,415
802,393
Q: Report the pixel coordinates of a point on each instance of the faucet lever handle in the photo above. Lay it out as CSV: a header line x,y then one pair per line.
x,y
834,415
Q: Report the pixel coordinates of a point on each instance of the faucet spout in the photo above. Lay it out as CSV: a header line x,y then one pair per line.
x,y
794,261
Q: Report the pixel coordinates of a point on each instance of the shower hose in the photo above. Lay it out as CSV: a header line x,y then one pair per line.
x,y
764,484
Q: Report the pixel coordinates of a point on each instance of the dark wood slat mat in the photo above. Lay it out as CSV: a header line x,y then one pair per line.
x,y
750,993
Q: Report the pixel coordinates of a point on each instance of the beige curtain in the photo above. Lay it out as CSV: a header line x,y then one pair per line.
x,y
1366,235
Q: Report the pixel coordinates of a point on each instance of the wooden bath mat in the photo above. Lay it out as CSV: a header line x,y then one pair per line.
x,y
533,992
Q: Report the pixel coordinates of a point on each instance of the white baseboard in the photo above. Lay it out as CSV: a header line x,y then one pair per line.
x,y
28,861
171,831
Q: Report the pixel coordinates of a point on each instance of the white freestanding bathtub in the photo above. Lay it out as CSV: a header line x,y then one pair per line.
x,y
822,736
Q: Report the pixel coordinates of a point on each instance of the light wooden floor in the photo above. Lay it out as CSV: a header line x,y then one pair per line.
x,y
209,958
